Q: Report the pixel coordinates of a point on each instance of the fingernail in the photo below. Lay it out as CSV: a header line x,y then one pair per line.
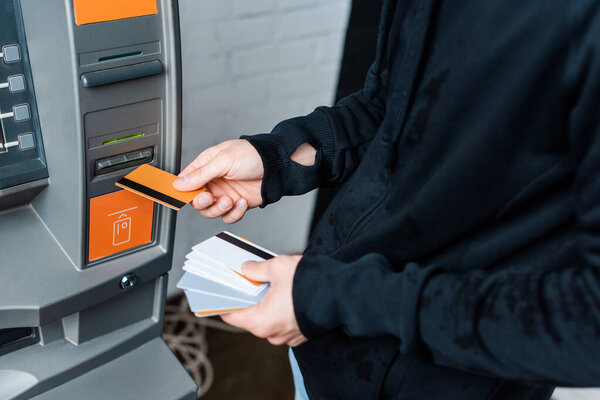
x,y
181,181
247,265
242,203
204,201
223,205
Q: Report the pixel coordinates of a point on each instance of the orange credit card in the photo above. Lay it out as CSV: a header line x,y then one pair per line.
x,y
156,185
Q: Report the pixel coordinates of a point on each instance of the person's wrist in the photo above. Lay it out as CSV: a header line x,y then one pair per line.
x,y
304,155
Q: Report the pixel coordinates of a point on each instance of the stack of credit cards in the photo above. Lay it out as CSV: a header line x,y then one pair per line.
x,y
213,281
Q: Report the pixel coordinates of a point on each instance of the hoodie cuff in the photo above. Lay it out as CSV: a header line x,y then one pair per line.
x,y
281,175
313,297
365,297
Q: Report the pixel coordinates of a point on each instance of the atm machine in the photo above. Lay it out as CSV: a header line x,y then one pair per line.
x,y
89,89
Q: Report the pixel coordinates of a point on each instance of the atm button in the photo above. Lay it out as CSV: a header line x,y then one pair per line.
x,y
21,112
11,53
26,141
16,83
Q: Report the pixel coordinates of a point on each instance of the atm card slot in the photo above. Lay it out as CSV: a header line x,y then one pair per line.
x,y
133,53
120,55
122,161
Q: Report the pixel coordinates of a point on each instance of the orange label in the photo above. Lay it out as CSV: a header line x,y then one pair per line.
x,y
216,312
256,283
119,221
91,11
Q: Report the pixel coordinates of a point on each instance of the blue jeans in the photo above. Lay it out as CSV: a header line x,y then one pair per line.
x,y
298,379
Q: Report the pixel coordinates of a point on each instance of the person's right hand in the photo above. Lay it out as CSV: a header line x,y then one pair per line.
x,y
232,173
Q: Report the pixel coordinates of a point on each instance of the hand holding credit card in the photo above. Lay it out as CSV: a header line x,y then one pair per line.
x,y
157,185
232,173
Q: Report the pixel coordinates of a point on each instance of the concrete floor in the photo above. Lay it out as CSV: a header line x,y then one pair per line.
x,y
247,368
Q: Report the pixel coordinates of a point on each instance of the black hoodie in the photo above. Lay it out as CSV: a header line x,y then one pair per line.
x,y
461,257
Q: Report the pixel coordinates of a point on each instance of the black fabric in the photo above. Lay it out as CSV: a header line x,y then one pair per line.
x,y
461,257
359,51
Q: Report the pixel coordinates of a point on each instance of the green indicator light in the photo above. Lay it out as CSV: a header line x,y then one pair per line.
x,y
123,138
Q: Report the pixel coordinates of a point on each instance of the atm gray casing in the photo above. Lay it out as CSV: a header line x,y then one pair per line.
x,y
87,331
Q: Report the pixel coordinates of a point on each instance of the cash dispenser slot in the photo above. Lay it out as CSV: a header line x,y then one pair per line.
x,y
122,161
16,338
120,74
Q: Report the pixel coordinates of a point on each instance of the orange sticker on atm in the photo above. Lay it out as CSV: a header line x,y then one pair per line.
x,y
92,11
119,221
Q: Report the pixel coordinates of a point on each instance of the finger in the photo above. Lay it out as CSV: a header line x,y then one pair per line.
x,y
257,271
297,341
237,212
278,340
199,177
219,208
204,157
232,319
199,161
203,200
240,319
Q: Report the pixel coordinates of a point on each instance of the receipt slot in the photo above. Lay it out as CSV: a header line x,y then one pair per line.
x,y
88,91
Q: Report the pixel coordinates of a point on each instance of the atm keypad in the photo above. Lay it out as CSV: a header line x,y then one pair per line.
x,y
22,157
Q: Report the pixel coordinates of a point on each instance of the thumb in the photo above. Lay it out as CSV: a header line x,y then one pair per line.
x,y
257,271
199,177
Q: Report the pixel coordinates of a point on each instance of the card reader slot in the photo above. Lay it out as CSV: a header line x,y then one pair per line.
x,y
120,74
122,161
119,56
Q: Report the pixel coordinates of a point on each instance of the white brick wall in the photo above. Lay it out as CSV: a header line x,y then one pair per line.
x,y
248,64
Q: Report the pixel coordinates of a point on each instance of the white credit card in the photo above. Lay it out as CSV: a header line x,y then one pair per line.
x,y
202,303
206,266
200,284
231,251
189,267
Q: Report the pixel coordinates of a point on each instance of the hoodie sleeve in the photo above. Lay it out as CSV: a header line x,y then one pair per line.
x,y
339,133
516,322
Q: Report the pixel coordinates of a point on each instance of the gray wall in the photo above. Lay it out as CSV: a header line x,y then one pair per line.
x,y
248,64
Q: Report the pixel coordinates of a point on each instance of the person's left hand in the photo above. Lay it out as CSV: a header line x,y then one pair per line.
x,y
273,318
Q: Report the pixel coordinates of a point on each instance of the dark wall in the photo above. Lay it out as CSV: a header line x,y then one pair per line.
x,y
359,53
